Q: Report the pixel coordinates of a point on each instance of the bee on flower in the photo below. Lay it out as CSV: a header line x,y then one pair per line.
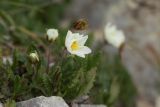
x,y
75,44
52,34
114,36
34,57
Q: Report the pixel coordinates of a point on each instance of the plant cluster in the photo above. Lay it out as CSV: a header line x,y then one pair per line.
x,y
59,73
57,62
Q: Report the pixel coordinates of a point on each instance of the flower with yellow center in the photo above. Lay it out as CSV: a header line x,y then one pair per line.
x,y
75,44
113,36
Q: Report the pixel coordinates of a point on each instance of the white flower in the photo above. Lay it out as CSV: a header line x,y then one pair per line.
x,y
75,44
113,36
52,34
34,57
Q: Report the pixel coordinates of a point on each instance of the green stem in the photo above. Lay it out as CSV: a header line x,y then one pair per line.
x,y
48,61
62,57
35,72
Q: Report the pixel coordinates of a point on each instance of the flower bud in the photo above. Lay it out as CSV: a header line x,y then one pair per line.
x,y
34,57
52,34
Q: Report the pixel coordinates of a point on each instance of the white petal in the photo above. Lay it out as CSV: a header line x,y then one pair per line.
x,y
81,55
83,50
77,36
69,39
69,50
82,40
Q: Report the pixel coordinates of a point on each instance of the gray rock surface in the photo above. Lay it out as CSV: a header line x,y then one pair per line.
x,y
87,105
42,101
1,105
91,105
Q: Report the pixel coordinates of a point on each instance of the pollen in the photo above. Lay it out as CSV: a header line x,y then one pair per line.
x,y
75,46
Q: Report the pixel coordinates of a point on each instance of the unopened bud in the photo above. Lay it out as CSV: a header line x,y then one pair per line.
x,y
52,34
34,57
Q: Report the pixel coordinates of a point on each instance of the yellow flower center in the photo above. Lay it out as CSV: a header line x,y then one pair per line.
x,y
75,46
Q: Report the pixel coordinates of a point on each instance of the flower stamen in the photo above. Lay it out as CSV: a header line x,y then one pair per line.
x,y
75,46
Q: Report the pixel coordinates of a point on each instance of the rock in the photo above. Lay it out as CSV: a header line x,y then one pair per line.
x,y
42,101
143,103
83,105
87,105
157,102
1,105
